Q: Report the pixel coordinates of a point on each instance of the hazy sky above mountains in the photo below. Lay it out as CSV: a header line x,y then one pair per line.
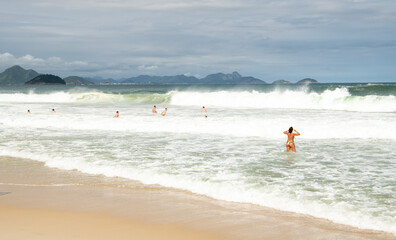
x,y
332,40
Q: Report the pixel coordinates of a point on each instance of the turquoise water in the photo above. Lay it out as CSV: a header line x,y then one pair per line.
x,y
344,169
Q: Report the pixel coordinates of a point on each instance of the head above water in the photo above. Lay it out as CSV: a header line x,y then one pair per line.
x,y
290,129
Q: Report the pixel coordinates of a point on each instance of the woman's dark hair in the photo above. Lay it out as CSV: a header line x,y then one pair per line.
x,y
290,129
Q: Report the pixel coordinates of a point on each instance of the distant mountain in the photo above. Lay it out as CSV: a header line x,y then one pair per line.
x,y
281,82
46,79
146,79
233,78
74,80
16,75
99,80
307,81
218,78
221,77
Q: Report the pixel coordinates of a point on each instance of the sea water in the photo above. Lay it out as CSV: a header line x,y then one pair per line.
x,y
344,169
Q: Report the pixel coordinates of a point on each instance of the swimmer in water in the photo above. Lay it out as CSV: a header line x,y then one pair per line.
x,y
28,111
164,112
53,110
116,115
290,139
204,111
154,110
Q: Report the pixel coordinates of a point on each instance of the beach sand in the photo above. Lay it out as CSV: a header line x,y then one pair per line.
x,y
37,202
31,223
43,224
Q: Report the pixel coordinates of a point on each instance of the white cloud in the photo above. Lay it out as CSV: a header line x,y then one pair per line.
x,y
4,57
77,63
192,75
49,65
7,59
55,59
30,59
147,67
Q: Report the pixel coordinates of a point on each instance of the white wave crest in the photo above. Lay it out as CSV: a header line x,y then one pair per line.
x,y
337,99
61,97
31,97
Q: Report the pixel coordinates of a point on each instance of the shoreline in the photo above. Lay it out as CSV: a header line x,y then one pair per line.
x,y
41,191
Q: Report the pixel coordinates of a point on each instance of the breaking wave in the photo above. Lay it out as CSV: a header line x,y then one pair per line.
x,y
330,99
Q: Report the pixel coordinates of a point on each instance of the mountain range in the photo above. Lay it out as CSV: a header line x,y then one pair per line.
x,y
17,75
46,79
218,78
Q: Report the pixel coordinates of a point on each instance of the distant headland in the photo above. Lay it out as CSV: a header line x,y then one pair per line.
x,y
46,79
17,75
307,81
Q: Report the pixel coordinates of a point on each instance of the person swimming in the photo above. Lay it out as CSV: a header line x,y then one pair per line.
x,y
28,111
53,110
204,112
164,112
154,110
290,139
116,115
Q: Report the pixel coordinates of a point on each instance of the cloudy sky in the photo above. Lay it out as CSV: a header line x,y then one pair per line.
x,y
329,40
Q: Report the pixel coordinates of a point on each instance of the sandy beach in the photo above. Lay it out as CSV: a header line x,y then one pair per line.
x,y
30,223
38,202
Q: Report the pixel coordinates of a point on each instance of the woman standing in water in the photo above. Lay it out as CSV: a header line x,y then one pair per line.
x,y
290,139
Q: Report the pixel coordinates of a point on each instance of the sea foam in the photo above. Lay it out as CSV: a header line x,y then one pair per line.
x,y
337,99
330,99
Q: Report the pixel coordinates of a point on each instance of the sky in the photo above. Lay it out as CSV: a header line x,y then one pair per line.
x,y
328,40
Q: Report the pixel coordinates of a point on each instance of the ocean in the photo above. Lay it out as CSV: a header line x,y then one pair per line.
x,y
344,169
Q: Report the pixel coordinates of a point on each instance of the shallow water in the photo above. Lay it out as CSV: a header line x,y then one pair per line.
x,y
344,170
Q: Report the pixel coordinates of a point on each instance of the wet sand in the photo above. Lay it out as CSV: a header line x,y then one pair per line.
x,y
37,202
